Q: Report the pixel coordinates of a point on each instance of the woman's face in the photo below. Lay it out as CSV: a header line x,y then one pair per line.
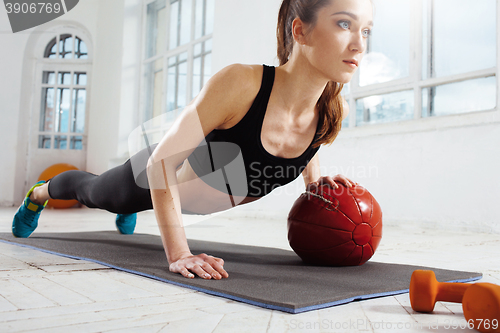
x,y
336,44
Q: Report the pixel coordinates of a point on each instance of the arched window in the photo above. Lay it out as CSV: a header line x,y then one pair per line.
x,y
64,94
66,48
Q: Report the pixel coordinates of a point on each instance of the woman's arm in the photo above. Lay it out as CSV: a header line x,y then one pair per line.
x,y
312,171
312,174
221,100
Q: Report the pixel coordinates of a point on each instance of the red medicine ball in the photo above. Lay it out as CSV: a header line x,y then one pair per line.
x,y
341,227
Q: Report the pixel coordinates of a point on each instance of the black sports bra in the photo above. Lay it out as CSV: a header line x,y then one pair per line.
x,y
234,160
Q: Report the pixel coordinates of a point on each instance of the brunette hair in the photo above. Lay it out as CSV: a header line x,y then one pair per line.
x,y
330,104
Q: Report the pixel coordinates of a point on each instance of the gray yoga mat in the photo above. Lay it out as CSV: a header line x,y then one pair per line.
x,y
267,277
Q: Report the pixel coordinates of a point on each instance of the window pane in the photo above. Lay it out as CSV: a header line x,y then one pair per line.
x,y
344,93
426,15
172,61
207,68
62,110
49,77
388,52
182,85
80,78
464,37
78,114
197,49
196,77
68,47
185,22
47,110
174,25
208,45
53,52
345,123
60,142
346,89
44,141
64,78
161,36
80,49
75,143
171,88
199,19
475,95
51,49
201,66
154,87
65,46
385,108
158,88
209,20
177,82
156,28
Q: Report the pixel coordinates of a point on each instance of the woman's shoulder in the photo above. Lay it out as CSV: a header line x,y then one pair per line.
x,y
241,77
233,89
235,79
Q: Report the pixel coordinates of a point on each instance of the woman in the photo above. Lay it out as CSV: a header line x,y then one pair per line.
x,y
277,116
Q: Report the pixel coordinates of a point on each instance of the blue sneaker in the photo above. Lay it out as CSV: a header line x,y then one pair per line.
x,y
26,218
126,223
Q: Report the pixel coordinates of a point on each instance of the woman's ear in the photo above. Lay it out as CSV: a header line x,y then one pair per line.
x,y
299,31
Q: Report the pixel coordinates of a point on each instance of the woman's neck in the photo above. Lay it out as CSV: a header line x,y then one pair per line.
x,y
299,86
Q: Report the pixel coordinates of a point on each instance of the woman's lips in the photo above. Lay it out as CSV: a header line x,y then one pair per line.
x,y
352,63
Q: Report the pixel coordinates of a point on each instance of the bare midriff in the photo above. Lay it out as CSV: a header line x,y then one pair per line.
x,y
198,197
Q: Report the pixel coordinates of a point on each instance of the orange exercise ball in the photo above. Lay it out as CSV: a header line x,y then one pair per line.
x,y
51,172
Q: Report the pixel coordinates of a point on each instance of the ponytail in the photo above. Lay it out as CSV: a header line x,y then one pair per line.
x,y
330,104
285,40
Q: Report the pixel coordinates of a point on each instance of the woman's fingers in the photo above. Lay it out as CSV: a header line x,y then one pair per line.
x,y
344,180
213,267
184,272
204,266
324,180
201,271
329,181
218,266
312,186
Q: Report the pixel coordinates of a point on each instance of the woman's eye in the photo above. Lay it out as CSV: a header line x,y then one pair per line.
x,y
344,24
367,33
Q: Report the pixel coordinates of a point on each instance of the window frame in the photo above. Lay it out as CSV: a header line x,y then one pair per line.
x,y
414,80
56,65
146,110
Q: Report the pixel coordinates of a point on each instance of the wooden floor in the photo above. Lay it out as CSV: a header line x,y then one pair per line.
x,y
40,292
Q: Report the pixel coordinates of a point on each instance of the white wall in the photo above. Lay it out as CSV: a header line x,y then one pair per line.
x,y
103,21
244,32
11,55
130,76
104,120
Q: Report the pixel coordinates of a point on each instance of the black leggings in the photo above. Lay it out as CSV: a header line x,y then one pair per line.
x,y
116,190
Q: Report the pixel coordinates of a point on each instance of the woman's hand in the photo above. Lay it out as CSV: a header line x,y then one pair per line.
x,y
203,265
328,180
